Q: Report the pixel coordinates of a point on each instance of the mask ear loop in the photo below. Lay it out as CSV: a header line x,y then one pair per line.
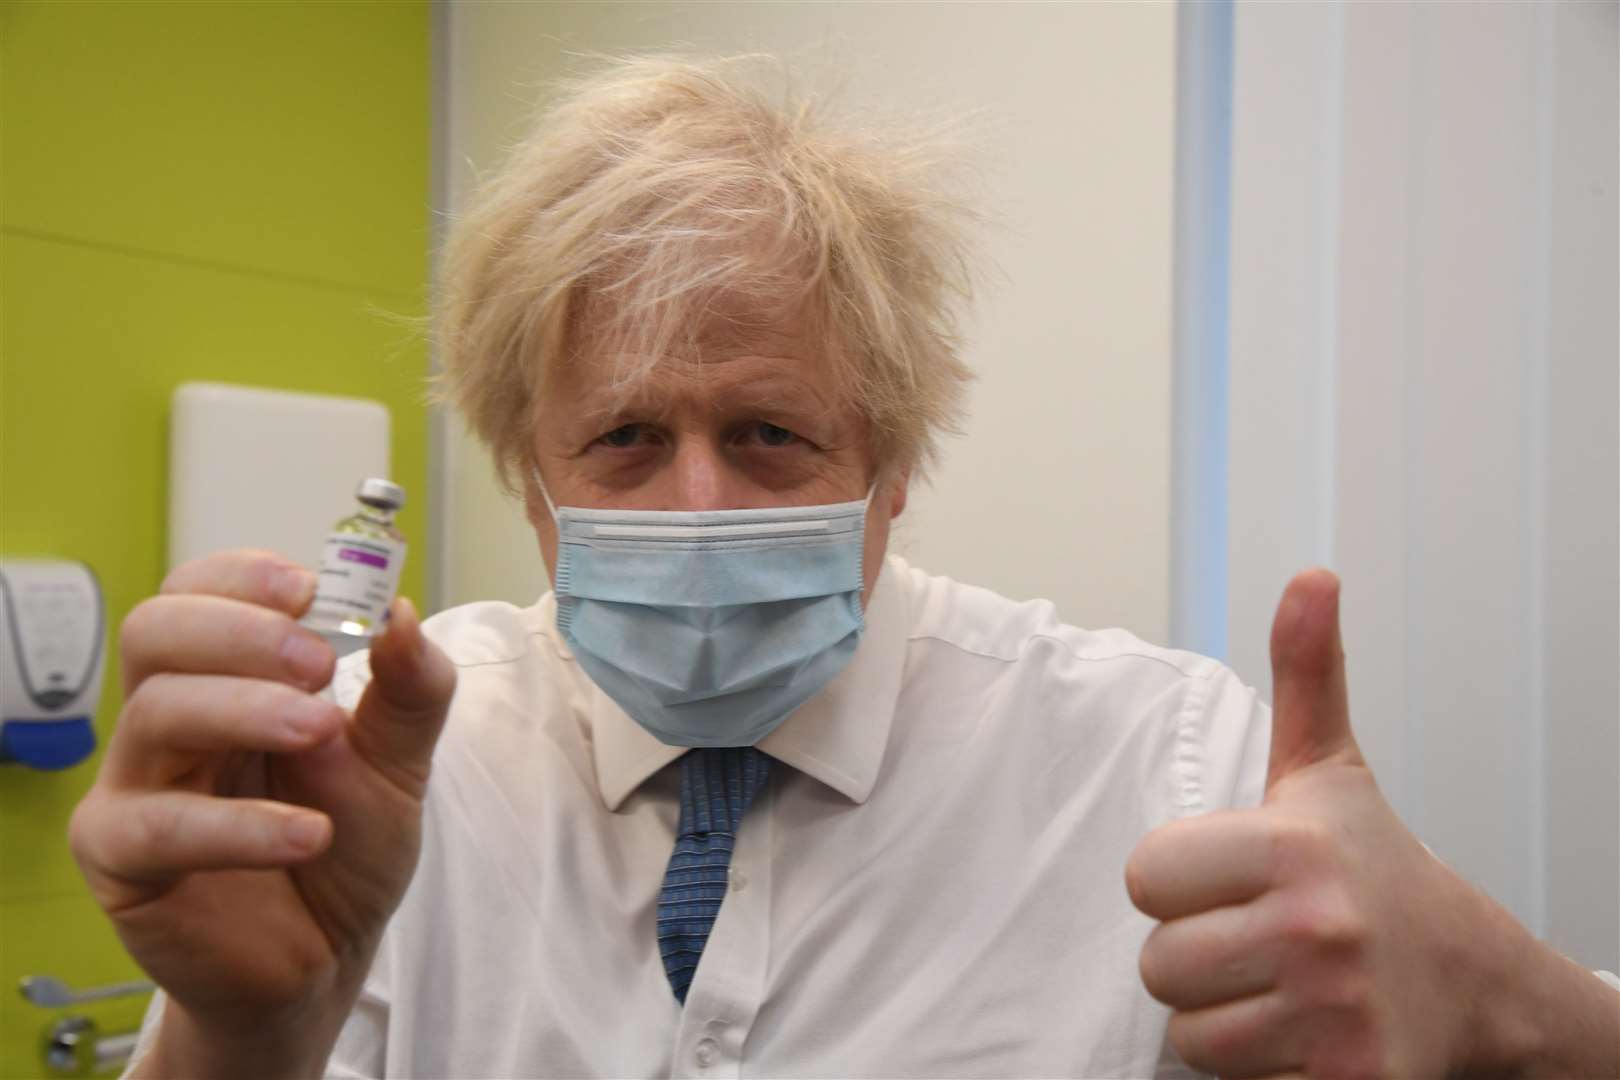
x,y
544,494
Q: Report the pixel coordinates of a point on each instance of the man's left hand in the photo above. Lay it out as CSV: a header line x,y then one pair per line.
x,y
1315,935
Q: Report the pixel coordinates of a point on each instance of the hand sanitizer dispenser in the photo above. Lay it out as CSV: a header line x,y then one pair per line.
x,y
52,622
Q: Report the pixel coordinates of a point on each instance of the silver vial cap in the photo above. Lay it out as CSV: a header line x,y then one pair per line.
x,y
383,494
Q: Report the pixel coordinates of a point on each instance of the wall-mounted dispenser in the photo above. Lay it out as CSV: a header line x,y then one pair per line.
x,y
52,622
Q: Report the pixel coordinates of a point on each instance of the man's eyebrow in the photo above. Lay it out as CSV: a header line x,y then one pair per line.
x,y
772,394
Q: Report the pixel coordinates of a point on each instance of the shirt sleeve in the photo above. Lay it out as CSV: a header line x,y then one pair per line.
x,y
361,1050
1226,737
1231,731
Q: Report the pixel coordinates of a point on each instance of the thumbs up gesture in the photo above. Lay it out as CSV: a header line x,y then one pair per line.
x,y
1316,936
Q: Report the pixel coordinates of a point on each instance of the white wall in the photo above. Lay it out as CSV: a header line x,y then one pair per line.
x,y
1060,487
1424,363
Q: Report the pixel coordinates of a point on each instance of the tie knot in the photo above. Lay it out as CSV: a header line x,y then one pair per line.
x,y
717,786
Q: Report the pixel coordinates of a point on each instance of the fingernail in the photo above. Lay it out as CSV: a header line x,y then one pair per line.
x,y
308,656
306,832
408,623
294,586
307,718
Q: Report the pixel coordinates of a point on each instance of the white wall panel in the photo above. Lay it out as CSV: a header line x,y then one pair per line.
x,y
1284,231
1580,470
1423,395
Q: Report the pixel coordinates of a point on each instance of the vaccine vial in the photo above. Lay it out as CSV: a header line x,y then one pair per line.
x,y
360,565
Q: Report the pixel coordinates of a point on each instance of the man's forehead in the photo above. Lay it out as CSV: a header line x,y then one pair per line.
x,y
738,380
719,349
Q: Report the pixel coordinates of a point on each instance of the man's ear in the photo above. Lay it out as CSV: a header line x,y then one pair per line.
x,y
901,483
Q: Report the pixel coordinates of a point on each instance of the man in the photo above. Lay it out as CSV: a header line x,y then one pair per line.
x,y
744,796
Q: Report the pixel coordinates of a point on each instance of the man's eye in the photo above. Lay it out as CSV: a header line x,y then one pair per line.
x,y
770,435
623,437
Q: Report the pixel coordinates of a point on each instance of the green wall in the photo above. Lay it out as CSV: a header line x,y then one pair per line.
x,y
223,191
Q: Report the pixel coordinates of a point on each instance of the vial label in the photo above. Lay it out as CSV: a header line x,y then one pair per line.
x,y
358,577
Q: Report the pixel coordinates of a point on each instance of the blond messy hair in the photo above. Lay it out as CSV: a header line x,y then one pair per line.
x,y
662,193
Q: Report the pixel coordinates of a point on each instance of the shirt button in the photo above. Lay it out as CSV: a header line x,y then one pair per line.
x,y
739,880
705,1051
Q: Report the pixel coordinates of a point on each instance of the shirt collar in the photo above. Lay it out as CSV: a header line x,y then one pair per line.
x,y
837,737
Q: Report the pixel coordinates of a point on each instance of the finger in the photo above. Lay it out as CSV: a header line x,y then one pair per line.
x,y
1311,720
154,837
172,717
1253,1037
1203,960
212,635
1200,863
400,715
252,576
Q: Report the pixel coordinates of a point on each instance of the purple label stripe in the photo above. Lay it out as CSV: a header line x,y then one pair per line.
x,y
354,555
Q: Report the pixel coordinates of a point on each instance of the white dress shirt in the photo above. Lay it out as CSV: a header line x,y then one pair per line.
x,y
932,886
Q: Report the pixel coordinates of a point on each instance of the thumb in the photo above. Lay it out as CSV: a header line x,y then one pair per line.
x,y
1311,719
402,711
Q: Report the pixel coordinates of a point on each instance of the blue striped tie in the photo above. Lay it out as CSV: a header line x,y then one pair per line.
x,y
717,785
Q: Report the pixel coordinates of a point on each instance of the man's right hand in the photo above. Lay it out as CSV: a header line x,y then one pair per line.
x,y
248,838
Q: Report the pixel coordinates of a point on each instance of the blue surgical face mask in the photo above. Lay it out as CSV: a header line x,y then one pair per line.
x,y
709,627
